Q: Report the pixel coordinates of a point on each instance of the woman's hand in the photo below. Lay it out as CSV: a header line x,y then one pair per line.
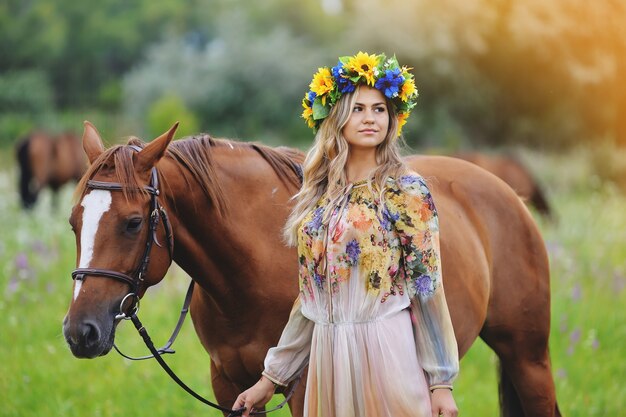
x,y
442,403
256,396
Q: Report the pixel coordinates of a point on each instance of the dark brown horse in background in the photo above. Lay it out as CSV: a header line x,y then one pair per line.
x,y
512,171
47,160
227,202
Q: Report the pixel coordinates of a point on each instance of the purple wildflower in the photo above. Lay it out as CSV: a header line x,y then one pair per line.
x,y
21,261
390,84
353,250
12,286
576,292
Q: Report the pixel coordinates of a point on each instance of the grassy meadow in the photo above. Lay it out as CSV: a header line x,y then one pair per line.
x,y
41,378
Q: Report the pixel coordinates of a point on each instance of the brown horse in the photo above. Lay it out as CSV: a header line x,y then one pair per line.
x,y
511,170
48,161
227,202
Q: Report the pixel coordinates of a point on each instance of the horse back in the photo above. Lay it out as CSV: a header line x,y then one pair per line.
x,y
494,258
69,159
40,151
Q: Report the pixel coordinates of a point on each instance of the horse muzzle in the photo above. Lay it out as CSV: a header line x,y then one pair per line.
x,y
88,337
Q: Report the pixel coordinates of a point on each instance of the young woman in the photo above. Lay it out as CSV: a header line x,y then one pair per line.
x,y
371,320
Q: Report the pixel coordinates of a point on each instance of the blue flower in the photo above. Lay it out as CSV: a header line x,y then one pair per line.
x,y
388,218
423,285
316,221
390,84
319,280
311,96
409,180
353,250
343,84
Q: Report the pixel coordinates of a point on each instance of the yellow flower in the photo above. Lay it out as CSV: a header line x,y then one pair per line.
x,y
402,121
408,89
322,83
364,64
307,114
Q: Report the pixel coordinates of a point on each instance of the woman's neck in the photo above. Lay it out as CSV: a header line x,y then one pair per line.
x,y
360,164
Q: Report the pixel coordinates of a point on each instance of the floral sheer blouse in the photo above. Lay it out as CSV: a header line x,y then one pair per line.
x,y
363,262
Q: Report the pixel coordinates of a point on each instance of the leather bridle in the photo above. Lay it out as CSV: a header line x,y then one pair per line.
x,y
136,281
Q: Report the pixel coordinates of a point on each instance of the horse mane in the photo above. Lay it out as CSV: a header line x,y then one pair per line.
x,y
194,154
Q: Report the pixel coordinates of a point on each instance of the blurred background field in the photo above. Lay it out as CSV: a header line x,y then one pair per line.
x,y
539,79
40,376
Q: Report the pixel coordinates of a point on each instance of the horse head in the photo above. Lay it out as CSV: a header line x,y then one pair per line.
x,y
117,212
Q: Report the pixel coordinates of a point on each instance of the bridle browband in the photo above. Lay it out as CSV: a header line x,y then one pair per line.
x,y
136,281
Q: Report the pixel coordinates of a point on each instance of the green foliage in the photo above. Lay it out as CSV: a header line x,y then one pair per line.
x,y
253,94
25,92
166,111
13,127
608,163
110,95
544,74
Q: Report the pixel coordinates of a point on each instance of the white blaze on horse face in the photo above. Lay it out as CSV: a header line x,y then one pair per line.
x,y
95,204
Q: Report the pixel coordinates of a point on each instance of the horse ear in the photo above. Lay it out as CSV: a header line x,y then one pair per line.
x,y
154,151
92,143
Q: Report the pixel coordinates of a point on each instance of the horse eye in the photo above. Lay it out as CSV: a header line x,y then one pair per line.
x,y
134,224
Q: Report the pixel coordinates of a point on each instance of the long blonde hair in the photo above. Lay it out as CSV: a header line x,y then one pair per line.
x,y
324,165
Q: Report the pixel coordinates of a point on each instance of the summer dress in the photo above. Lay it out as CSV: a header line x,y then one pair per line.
x,y
360,271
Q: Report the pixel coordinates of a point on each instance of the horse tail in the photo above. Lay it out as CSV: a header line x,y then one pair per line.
x,y
537,198
26,173
540,202
510,403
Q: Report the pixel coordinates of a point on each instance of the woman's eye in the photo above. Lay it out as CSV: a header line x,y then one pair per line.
x,y
134,225
357,109
380,109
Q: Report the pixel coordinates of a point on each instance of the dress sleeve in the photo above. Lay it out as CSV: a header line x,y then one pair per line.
x,y
413,213
285,361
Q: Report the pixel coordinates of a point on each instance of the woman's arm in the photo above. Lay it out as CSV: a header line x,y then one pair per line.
x,y
283,362
415,219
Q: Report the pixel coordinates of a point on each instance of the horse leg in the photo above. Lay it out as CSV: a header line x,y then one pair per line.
x,y
296,402
224,390
526,384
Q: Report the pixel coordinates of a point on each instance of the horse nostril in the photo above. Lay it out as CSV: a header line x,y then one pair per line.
x,y
89,332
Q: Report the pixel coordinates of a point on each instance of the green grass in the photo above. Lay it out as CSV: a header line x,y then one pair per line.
x,y
40,377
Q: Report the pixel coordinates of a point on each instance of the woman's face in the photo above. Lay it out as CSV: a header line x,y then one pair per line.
x,y
369,120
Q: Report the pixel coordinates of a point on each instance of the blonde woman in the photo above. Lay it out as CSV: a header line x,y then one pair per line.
x,y
371,320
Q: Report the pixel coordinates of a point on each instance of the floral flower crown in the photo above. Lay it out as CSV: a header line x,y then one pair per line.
x,y
378,71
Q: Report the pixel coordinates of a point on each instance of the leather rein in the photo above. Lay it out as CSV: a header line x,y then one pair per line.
x,y
136,281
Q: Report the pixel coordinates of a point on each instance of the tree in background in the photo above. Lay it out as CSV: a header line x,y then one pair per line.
x,y
489,71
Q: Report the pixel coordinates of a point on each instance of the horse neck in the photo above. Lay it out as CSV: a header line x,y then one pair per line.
x,y
225,253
